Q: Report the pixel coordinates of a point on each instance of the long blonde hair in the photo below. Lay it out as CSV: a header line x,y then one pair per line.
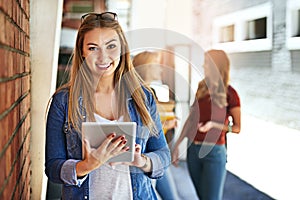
x,y
216,85
126,80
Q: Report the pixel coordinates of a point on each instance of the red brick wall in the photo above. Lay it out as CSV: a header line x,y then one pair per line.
x,y
14,99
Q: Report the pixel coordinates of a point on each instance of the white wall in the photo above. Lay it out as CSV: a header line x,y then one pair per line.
x,y
45,26
174,15
179,16
148,14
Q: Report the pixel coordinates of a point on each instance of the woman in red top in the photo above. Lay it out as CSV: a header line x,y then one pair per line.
x,y
207,125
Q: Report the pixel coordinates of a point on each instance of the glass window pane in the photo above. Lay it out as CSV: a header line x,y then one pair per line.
x,y
257,29
226,34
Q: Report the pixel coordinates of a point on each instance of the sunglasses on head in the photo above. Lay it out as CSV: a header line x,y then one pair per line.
x,y
106,16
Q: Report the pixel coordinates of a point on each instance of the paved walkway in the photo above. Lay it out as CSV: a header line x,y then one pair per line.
x,y
266,155
238,189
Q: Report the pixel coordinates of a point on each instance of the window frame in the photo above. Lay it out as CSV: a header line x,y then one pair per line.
x,y
224,29
239,19
255,23
292,18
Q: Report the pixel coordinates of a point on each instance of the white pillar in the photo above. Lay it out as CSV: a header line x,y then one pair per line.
x,y
45,26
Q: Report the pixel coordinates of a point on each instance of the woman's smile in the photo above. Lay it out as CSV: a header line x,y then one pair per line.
x,y
103,66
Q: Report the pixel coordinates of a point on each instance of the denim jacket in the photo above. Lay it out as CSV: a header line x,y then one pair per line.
x,y
64,150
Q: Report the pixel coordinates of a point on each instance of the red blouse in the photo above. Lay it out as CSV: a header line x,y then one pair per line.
x,y
206,110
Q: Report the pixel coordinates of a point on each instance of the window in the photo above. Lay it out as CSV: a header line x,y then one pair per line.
x,y
244,30
81,6
257,29
298,25
226,33
293,25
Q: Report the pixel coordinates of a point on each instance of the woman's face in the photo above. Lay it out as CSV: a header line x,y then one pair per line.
x,y
102,51
155,70
211,70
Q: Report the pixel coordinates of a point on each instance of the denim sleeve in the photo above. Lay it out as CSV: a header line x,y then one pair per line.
x,y
55,140
160,161
58,167
68,173
157,148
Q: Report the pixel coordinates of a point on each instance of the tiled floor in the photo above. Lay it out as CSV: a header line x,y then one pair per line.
x,y
183,182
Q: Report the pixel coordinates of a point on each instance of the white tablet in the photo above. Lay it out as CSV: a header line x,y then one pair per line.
x,y
96,132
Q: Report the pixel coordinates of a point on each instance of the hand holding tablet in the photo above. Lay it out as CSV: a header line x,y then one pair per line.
x,y
96,132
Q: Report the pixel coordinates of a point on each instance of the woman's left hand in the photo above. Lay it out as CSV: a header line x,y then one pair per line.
x,y
168,124
205,127
138,161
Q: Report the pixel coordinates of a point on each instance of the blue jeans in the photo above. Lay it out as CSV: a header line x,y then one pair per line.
x,y
166,187
208,173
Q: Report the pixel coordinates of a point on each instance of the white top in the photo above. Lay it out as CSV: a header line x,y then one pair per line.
x,y
109,183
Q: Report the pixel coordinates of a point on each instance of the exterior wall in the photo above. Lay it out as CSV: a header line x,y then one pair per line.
x,y
254,60
295,60
206,10
15,99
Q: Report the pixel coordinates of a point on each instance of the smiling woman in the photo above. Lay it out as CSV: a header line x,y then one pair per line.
x,y
103,87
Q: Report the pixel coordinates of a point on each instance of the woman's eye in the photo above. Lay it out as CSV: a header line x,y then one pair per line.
x,y
111,46
93,48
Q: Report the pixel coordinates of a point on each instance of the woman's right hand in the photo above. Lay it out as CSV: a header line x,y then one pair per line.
x,y
175,156
94,158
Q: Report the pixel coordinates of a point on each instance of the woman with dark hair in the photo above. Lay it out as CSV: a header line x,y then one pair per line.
x,y
207,125
103,87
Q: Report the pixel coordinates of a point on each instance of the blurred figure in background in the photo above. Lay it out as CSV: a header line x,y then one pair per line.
x,y
147,64
207,125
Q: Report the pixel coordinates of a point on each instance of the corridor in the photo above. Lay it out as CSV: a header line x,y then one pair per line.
x,y
36,42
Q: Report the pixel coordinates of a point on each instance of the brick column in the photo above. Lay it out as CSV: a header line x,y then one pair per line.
x,y
281,56
15,97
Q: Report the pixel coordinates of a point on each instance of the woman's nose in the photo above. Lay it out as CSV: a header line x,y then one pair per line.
x,y
101,55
